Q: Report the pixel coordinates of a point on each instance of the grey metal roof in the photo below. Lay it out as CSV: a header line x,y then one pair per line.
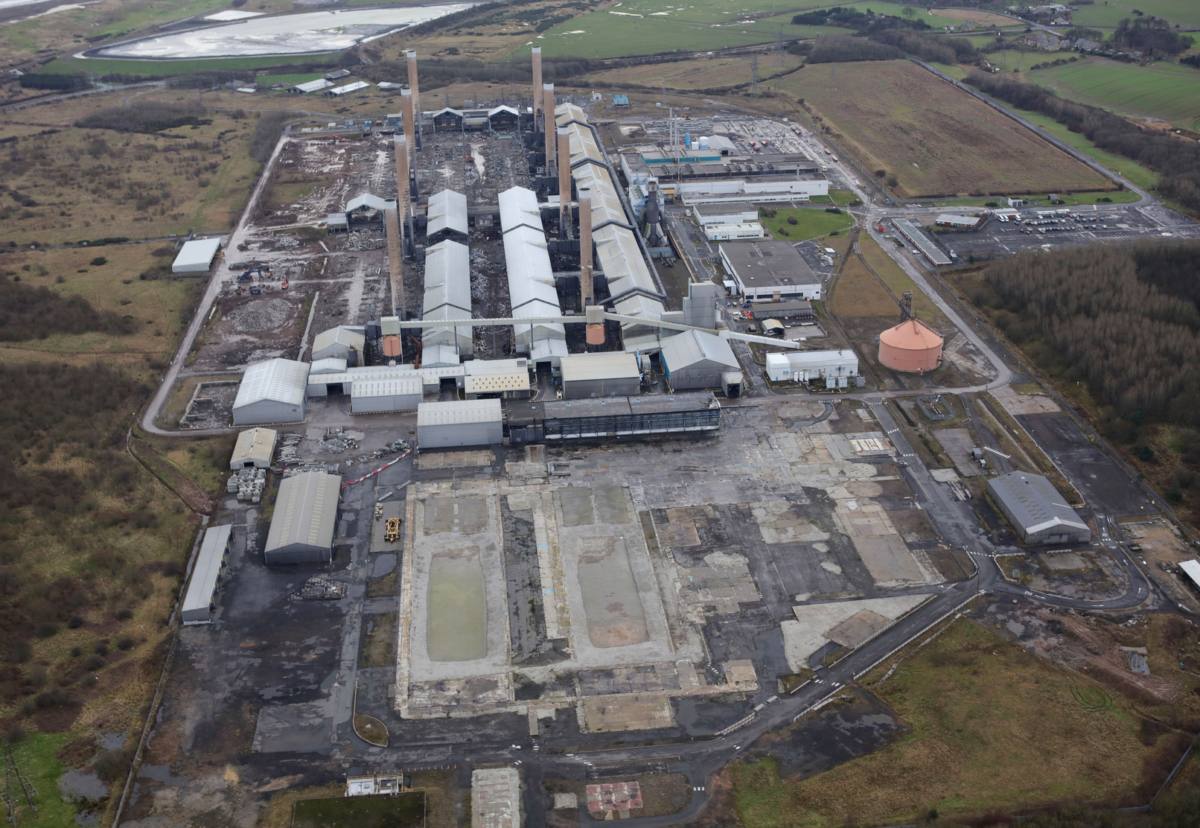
x,y
693,348
341,335
329,365
447,211
767,264
254,445
372,201
317,85
279,380
390,387
484,367
208,568
612,365
305,511
458,412
530,277
1032,502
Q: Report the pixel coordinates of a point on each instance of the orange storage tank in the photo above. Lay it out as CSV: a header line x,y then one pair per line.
x,y
911,347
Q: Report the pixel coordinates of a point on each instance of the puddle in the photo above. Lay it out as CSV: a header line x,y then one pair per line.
x,y
82,785
382,565
457,607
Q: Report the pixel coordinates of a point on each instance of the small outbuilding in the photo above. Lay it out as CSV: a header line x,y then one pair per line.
x,y
695,360
254,448
343,342
454,424
305,517
808,366
1037,511
200,600
196,256
613,374
272,391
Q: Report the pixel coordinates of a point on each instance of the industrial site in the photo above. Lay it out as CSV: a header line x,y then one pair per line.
x,y
559,439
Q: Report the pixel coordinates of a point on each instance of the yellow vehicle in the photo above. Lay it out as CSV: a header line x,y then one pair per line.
x,y
391,532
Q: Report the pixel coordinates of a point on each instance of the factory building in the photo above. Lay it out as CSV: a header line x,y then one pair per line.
x,y
916,236
958,222
330,365
506,379
706,214
613,418
196,256
375,396
446,218
811,366
253,449
272,391
322,385
758,190
367,207
456,424
798,310
201,597
446,120
694,360
305,517
911,346
1036,510
448,296
530,278
619,255
343,342
769,271
504,119
733,232
600,375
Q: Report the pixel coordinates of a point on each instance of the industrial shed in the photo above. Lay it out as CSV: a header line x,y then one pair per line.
x,y
201,596
600,375
734,232
770,271
707,214
305,516
613,418
957,221
1037,510
447,119
530,277
446,217
196,256
375,396
503,118
696,360
343,342
783,310
273,391
454,424
254,447
329,365
515,386
448,296
807,366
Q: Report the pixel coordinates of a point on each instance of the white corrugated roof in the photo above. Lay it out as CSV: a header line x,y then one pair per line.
x,y
368,200
318,85
390,387
254,445
832,357
1192,570
530,277
447,211
483,367
439,356
389,326
448,279
458,412
497,383
350,87
429,375
197,252
329,365
279,380
519,206
611,365
341,335
208,568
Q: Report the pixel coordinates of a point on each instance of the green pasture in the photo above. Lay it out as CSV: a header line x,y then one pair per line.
x,y
105,66
1163,91
1183,12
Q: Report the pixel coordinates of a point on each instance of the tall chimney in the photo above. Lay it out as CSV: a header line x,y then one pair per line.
x,y
595,333
548,104
564,181
416,94
537,87
403,191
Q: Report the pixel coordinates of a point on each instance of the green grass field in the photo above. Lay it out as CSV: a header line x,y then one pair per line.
x,y
403,811
1183,12
810,223
35,757
1163,91
1068,200
104,66
650,26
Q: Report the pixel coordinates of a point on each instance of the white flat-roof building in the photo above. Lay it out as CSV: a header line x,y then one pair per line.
x,y
196,256
706,214
731,191
460,423
733,232
806,366
254,448
202,591
305,517
769,271
272,391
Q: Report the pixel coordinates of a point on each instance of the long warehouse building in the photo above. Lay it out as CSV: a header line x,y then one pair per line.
x,y
530,278
201,597
305,517
447,296
631,285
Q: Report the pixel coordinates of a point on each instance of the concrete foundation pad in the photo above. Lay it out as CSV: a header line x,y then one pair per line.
x,y
1016,403
637,711
815,623
455,459
889,561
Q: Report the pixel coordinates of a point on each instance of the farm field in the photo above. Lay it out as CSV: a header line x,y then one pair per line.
x,y
97,183
1163,91
699,73
1182,12
982,712
934,138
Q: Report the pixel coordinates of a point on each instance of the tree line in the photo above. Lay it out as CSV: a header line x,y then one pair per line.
x,y
28,312
1176,161
145,116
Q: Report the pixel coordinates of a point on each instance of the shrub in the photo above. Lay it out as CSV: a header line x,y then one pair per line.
x,y
792,220
101,648
124,614
95,662
75,623
125,643
99,261
76,652
46,630
112,765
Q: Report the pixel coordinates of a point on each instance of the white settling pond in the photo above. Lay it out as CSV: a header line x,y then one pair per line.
x,y
290,34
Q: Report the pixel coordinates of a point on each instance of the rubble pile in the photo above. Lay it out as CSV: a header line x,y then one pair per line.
x,y
319,588
248,483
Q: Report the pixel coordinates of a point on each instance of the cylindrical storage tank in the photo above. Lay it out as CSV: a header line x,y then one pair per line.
x,y
687,140
911,347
